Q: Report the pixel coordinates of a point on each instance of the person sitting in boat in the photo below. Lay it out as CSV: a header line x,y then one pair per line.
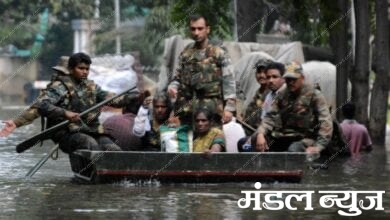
x,y
207,138
274,72
30,114
299,119
63,99
149,130
254,110
120,127
233,131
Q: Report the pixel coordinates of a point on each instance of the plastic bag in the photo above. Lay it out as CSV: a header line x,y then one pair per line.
x,y
177,139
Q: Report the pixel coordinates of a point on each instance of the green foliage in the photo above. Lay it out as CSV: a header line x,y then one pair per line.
x,y
310,20
149,40
157,27
9,34
163,18
55,46
217,12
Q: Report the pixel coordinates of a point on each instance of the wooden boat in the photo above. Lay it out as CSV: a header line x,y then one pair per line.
x,y
109,166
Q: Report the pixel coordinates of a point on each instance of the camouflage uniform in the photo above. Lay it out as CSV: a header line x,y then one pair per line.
x,y
63,93
303,118
27,116
254,110
203,79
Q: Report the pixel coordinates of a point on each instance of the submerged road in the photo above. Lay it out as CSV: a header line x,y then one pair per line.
x,y
52,193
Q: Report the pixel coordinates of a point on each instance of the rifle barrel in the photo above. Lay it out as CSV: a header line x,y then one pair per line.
x,y
42,136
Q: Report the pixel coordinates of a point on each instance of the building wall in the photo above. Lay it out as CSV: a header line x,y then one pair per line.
x,y
15,72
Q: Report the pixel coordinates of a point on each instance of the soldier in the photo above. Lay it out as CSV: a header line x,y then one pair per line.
x,y
64,98
254,110
299,119
28,116
203,77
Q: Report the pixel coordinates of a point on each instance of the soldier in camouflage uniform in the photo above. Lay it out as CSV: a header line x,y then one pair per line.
x,y
299,119
203,77
30,114
254,110
67,96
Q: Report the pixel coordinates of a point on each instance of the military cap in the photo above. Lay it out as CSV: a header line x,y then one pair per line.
x,y
262,63
62,65
293,70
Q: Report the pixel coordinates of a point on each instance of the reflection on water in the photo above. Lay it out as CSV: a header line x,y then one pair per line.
x,y
52,194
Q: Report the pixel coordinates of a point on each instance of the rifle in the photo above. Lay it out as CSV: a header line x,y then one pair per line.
x,y
48,132
246,125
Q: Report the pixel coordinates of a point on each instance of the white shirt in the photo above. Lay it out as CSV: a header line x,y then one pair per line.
x,y
269,99
141,122
233,132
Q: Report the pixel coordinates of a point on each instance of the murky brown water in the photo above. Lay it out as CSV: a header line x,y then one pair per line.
x,y
52,194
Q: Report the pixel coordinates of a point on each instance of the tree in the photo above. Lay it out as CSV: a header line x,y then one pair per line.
x,y
218,14
336,19
360,74
249,19
148,40
309,19
380,90
20,25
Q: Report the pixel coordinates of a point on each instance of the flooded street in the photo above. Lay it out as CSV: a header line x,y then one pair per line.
x,y
52,192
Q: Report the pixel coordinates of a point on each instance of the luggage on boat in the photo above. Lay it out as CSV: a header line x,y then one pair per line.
x,y
176,139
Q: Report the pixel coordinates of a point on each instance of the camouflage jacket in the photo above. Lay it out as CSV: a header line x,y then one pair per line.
x,y
63,93
305,114
254,110
204,73
27,116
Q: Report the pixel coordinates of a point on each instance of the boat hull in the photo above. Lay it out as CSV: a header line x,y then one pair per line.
x,y
100,167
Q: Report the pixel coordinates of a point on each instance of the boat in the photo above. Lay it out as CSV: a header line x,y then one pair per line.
x,y
112,166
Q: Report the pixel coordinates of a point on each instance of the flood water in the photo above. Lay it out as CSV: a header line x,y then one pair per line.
x,y
52,192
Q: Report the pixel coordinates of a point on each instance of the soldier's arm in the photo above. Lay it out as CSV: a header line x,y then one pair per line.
x,y
266,126
51,96
26,117
174,84
252,107
228,83
324,120
268,122
228,79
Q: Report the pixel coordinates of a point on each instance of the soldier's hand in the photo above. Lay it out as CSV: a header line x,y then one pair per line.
x,y
173,121
10,126
72,116
312,149
147,101
261,143
230,105
172,92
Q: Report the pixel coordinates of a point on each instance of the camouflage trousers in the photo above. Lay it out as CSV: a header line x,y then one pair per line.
x,y
185,109
70,142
